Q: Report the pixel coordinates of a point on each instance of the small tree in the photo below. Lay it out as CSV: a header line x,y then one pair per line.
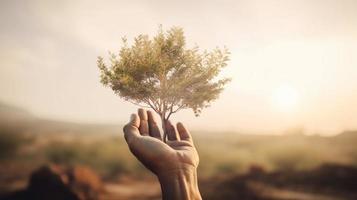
x,y
162,74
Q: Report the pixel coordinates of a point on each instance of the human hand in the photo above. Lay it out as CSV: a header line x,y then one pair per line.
x,y
144,139
175,162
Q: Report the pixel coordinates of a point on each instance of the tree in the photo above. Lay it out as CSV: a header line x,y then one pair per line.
x,y
162,74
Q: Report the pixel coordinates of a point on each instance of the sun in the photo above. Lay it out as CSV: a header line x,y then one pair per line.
x,y
285,98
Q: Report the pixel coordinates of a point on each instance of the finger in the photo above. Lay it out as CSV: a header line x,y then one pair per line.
x,y
131,129
154,130
171,131
144,127
183,132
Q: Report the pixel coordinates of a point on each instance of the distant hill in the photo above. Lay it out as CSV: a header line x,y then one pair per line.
x,y
13,113
20,120
347,136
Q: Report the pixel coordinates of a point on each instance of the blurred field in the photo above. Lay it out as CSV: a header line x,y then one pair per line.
x,y
289,166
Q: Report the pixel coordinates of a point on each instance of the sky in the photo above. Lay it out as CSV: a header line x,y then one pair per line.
x,y
293,62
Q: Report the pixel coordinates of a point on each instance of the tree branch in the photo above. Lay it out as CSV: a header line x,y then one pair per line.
x,y
151,104
138,104
178,108
156,105
168,116
174,111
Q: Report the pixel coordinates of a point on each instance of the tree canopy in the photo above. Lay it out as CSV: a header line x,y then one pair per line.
x,y
163,74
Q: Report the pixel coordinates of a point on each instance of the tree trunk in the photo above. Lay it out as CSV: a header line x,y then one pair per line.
x,y
163,124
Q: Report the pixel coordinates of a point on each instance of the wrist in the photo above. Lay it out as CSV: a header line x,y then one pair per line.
x,y
180,183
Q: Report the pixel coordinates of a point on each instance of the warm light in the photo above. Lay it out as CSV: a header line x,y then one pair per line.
x,y
285,98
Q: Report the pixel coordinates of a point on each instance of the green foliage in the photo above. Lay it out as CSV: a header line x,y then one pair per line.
x,y
223,153
294,157
163,74
10,142
62,153
108,157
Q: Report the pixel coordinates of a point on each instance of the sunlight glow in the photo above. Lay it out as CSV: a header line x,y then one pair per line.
x,y
285,98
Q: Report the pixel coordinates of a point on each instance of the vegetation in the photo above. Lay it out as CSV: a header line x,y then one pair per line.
x,y
10,142
162,74
226,153
231,159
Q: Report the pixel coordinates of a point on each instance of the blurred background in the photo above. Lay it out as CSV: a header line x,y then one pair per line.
x,y
284,128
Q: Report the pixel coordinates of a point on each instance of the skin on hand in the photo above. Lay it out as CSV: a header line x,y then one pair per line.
x,y
143,136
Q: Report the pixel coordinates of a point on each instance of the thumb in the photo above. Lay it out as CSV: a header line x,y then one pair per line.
x,y
131,129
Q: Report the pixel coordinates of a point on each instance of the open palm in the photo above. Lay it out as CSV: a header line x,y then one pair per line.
x,y
143,136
